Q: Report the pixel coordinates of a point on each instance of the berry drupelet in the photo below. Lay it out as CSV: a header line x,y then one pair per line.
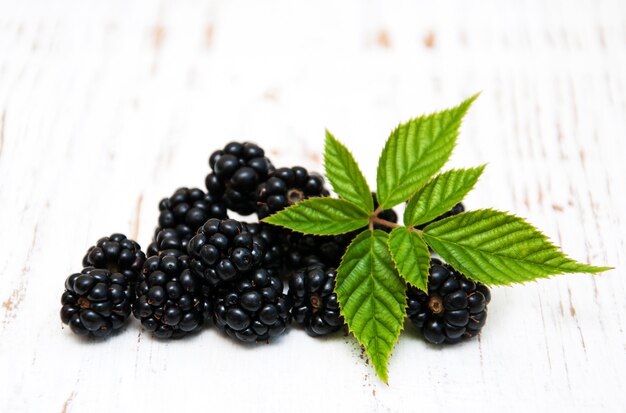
x,y
96,302
170,239
237,170
181,215
454,308
116,253
253,308
171,300
315,305
288,186
223,250
268,237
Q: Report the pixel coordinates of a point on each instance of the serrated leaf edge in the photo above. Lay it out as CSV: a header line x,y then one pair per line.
x,y
428,218
386,378
591,269
467,103
369,208
395,262
269,219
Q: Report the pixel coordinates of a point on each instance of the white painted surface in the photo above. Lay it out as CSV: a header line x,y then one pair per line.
x,y
107,106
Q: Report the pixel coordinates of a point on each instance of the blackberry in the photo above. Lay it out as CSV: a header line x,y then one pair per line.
x,y
180,217
456,210
96,302
237,170
253,308
454,308
116,253
288,186
171,300
315,305
223,250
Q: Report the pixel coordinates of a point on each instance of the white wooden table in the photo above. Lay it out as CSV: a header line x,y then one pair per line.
x,y
107,106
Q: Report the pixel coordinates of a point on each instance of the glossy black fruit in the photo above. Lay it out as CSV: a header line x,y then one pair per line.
x,y
237,171
116,253
454,308
171,300
180,217
224,250
253,308
315,305
96,302
288,186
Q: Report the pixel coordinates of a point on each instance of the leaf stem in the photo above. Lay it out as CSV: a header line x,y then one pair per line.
x,y
379,221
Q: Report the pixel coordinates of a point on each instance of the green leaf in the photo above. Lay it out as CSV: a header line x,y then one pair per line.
x,y
372,297
411,256
415,151
496,248
345,176
321,216
440,195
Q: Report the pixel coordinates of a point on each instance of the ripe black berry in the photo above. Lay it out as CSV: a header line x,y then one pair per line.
x,y
315,305
288,186
223,250
454,308
253,308
237,170
116,254
180,217
96,302
171,300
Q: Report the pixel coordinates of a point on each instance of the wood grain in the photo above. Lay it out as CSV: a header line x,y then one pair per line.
x,y
105,107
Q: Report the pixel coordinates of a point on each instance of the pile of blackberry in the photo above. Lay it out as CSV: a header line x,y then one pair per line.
x,y
238,260
250,280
